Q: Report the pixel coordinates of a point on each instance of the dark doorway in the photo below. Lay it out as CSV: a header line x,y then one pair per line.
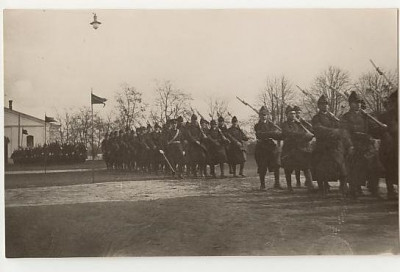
x,y
29,141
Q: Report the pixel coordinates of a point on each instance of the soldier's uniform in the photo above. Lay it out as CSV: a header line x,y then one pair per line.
x,y
132,146
174,147
197,151
204,124
332,143
224,129
143,150
307,125
236,150
216,148
158,141
296,150
105,150
388,151
266,150
363,161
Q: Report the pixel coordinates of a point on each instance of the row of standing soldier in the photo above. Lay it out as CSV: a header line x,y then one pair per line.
x,y
52,153
344,149
179,147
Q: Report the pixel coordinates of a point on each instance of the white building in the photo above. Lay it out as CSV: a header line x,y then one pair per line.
x,y
15,123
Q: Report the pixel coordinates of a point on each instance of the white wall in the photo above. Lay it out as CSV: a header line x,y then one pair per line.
x,y
33,126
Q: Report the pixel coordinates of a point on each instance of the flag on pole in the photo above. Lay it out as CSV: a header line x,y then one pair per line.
x,y
24,131
48,119
98,100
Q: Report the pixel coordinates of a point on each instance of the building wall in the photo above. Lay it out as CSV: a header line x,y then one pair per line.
x,y
15,122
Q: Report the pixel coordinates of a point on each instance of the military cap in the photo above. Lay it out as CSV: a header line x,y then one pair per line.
x,y
202,120
263,111
322,100
234,119
296,108
174,121
221,119
194,117
121,131
213,122
156,125
180,119
354,97
289,109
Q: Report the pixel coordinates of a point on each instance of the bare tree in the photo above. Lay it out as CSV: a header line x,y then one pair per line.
x,y
170,103
374,89
334,78
276,95
130,106
217,107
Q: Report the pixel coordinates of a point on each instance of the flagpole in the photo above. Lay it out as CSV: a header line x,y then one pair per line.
x,y
91,103
45,146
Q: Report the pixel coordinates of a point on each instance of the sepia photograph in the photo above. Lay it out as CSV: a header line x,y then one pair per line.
x,y
200,132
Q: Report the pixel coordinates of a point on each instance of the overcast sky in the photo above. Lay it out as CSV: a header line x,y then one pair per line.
x,y
53,58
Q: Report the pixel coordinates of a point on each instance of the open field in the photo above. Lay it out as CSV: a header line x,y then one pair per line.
x,y
122,214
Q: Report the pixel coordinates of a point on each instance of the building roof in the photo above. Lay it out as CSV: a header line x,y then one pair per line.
x,y
33,118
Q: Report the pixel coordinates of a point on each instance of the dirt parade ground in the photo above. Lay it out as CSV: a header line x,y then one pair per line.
x,y
124,214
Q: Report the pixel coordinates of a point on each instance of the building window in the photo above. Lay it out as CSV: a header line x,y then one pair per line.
x,y
29,141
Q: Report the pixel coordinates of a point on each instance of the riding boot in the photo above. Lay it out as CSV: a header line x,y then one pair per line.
x,y
343,187
234,170
212,171
221,167
288,176
277,184
308,183
262,181
241,169
230,168
297,174
321,187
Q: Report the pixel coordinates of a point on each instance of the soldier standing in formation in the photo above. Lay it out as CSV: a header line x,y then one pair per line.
x,y
216,149
266,150
174,147
197,150
332,145
236,149
296,151
389,144
363,160
307,125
